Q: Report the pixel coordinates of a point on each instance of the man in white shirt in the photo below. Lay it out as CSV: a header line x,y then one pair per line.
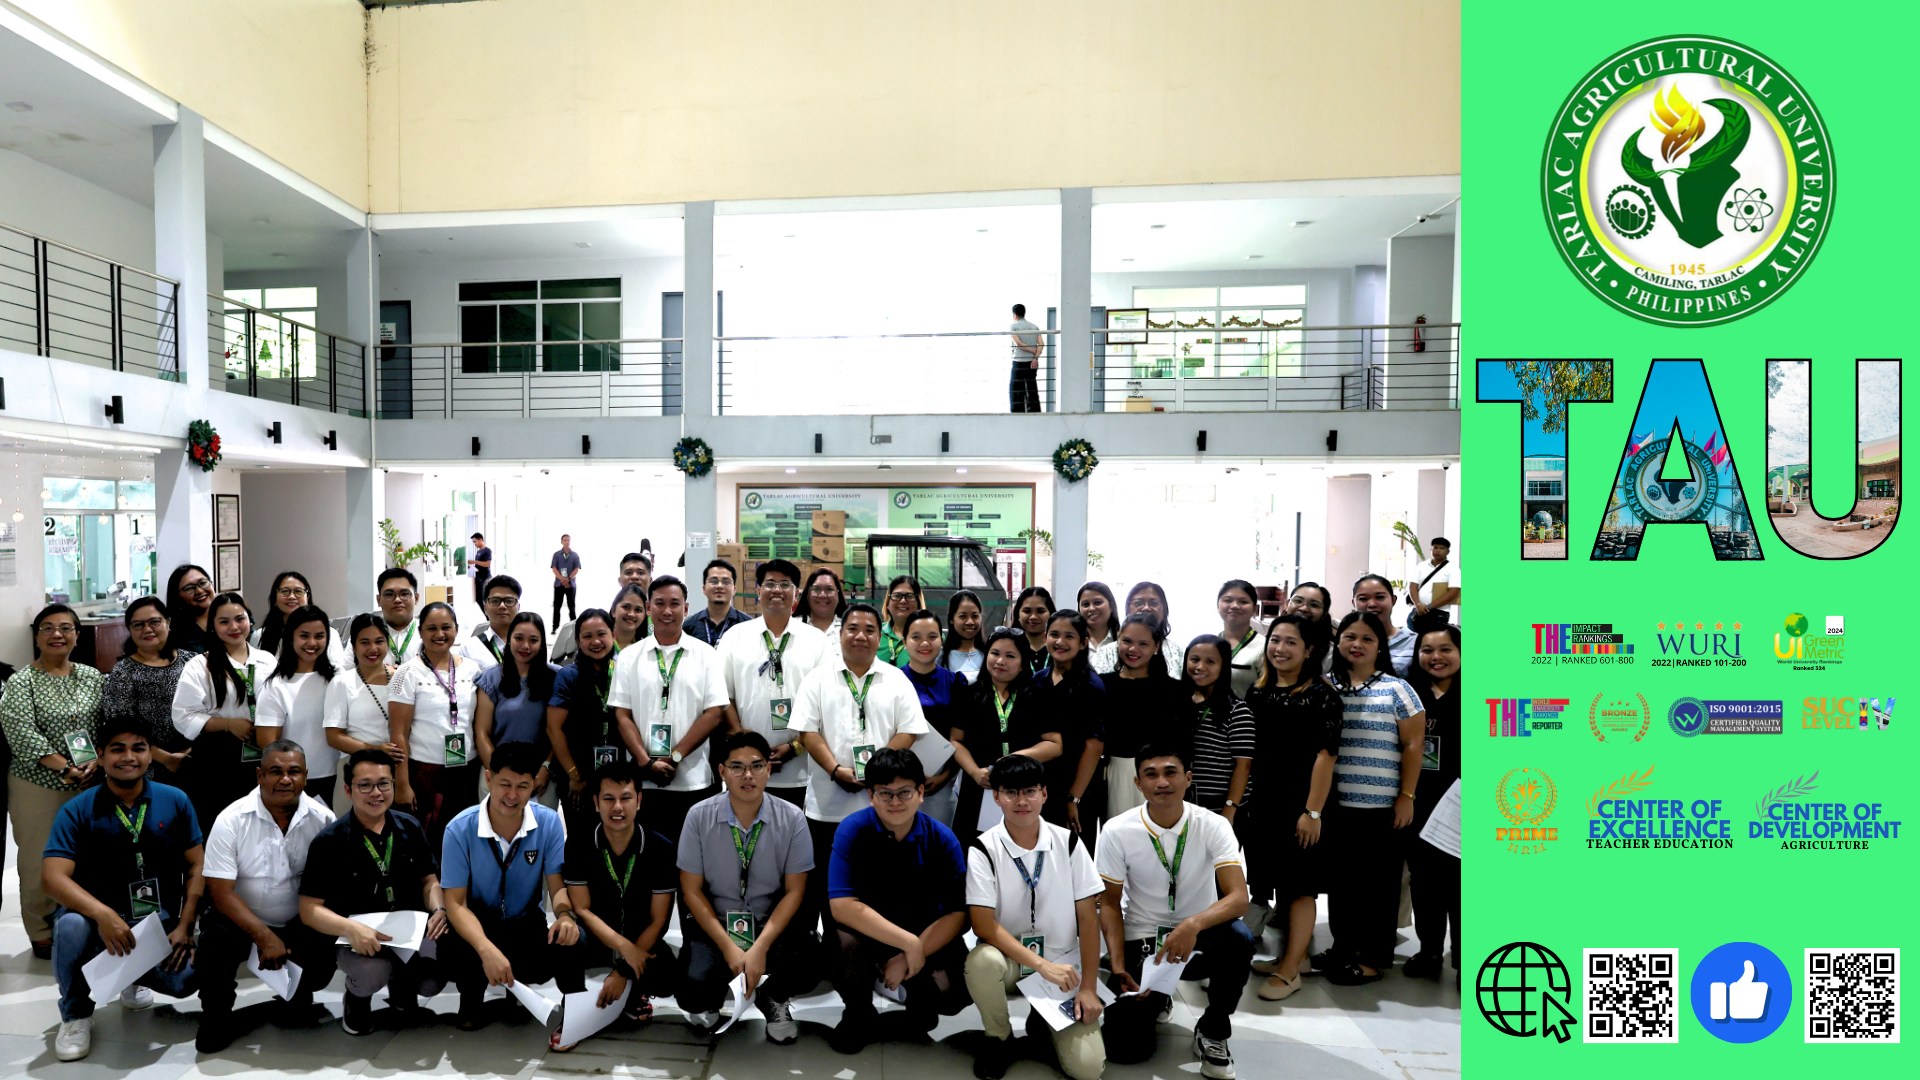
x,y
399,593
487,645
668,697
256,852
1175,891
1023,386
847,708
1435,584
764,662
1032,895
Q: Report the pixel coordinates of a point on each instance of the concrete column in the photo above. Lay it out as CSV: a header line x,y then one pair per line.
x,y
363,307
1069,537
184,512
703,518
1075,349
1349,516
697,360
1430,511
180,234
365,508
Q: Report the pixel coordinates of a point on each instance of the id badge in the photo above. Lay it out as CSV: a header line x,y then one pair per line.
x,y
740,928
456,749
80,748
1036,942
143,898
604,756
861,755
1430,753
1160,937
782,712
659,739
249,753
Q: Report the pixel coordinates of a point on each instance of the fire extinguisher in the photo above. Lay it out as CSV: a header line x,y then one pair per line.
x,y
1419,345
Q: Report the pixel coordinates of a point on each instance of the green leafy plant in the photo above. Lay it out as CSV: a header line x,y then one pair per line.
x,y
1041,540
399,555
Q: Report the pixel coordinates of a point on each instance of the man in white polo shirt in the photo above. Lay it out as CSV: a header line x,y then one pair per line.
x,y
399,593
500,602
1032,895
847,708
256,852
764,662
1174,869
668,697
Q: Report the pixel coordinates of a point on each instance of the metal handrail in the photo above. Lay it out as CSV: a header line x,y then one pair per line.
x,y
522,344
271,314
84,251
71,297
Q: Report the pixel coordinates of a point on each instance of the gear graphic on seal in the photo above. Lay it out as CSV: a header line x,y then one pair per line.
x,y
1630,211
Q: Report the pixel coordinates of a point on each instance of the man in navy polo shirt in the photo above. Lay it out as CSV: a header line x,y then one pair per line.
x,y
898,885
495,862
125,850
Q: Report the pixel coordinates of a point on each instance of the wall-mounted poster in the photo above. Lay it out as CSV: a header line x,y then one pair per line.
x,y
1127,326
776,522
226,568
226,519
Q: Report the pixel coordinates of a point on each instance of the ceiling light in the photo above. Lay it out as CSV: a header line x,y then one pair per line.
x,y
789,236
962,470
582,243
791,469
1256,256
1126,260
278,255
885,468
1301,224
979,230
263,220
1156,226
19,106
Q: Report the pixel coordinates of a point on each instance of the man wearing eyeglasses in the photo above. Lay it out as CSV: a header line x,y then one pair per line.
x,y
718,582
621,877
897,880
744,860
367,863
764,661
487,646
398,593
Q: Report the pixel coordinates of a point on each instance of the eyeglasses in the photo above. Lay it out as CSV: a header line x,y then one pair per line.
x,y
717,581
896,796
291,592
741,768
901,597
1025,793
62,629
503,601
154,623
396,594
823,590
776,587
203,585
369,787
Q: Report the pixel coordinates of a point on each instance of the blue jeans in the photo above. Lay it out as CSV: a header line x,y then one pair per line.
x,y
76,941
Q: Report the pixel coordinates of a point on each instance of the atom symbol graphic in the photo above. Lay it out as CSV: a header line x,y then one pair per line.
x,y
1749,210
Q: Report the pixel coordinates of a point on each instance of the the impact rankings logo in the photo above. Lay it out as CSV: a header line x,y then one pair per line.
x,y
1688,180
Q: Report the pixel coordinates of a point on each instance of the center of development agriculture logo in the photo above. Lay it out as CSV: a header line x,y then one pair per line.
x,y
1688,180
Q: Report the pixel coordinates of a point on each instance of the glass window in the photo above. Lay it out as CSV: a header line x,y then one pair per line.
x,y
1262,295
1175,298
581,289
245,296
303,297
136,495
76,493
568,311
483,291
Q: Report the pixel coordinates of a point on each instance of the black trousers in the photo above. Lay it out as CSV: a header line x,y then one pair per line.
x,y
524,941
816,907
665,812
1023,389
705,987
1436,897
566,593
224,947
1363,897
941,986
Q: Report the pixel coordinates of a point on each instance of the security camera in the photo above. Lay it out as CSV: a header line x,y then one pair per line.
x,y
1422,220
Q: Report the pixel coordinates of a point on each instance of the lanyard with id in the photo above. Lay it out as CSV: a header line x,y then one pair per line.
x,y
383,862
605,753
862,752
1034,939
143,893
781,707
740,924
398,656
660,732
1005,713
1172,869
249,750
456,739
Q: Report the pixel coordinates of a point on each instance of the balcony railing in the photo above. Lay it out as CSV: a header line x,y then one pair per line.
x,y
62,302
965,371
259,354
1277,369
495,379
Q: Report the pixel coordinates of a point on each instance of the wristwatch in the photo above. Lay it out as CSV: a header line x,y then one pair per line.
x,y
1406,794
1229,802
1314,814
1076,800
677,757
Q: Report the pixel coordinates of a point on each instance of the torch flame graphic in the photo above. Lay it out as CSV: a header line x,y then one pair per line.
x,y
1677,119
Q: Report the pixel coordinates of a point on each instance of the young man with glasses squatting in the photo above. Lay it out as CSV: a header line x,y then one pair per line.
x,y
744,860
398,593
764,662
370,862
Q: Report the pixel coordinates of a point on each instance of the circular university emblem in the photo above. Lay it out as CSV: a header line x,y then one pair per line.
x,y
1688,180
1692,498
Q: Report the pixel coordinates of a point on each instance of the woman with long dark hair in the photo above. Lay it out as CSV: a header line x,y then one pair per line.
x,y
903,599
1068,698
965,648
1436,875
1382,724
51,715
580,727
189,603
1148,598
940,692
510,700
293,702
289,594
142,683
1296,720
1143,699
356,705
215,705
823,601
986,732
1237,602
1102,612
629,611
430,710
1220,727
1314,602
1374,594
1031,610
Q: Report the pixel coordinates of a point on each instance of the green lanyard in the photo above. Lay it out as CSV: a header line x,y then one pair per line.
x,y
744,849
773,657
1179,852
1251,632
134,828
667,673
400,654
495,649
384,862
620,882
891,645
252,706
859,696
1005,713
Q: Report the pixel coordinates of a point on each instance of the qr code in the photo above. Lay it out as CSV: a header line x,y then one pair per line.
x,y
1630,995
1853,995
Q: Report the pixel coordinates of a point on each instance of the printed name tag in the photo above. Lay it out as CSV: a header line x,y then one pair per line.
x,y
740,928
1430,753
143,898
249,753
80,748
456,749
1036,942
659,739
604,756
861,755
782,712
1160,937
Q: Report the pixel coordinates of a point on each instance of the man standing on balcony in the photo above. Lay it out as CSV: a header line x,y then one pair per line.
x,y
480,562
1023,387
566,568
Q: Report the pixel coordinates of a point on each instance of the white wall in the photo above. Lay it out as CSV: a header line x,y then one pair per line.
x,y
288,522
433,287
1370,295
1329,291
1419,282
331,282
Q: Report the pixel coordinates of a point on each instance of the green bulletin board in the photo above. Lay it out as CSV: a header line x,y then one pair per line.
x,y
775,522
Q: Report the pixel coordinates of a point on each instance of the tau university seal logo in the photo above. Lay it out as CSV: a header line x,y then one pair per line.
x,y
1688,181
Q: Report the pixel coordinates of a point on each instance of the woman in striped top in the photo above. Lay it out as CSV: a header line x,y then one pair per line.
x,y
1381,726
1220,726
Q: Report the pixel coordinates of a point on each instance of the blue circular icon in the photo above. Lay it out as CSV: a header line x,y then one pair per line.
x,y
1741,992
1687,717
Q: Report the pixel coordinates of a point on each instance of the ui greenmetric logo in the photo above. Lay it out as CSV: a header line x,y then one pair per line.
x,y
1688,180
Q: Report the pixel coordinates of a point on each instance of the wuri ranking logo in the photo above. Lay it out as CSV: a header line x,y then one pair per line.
x,y
1688,180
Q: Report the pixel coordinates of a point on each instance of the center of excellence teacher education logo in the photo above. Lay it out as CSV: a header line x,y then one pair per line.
x,y
1687,180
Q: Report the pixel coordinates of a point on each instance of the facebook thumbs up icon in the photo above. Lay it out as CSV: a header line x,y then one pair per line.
x,y
1744,1000
1741,992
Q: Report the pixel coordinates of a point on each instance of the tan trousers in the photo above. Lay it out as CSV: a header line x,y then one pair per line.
x,y
991,977
33,808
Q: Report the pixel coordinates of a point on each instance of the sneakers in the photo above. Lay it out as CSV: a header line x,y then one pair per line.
x,y
1423,966
782,1029
215,1034
703,1023
853,1032
1216,1060
356,1015
136,997
639,1009
75,1040
990,1062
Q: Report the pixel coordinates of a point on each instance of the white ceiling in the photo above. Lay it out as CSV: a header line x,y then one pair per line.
x,y
1222,234
628,238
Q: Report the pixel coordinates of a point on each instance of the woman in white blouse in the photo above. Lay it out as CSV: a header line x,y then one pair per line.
x,y
289,594
430,712
214,707
293,701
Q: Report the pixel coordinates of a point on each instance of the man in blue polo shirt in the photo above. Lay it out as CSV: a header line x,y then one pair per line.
x,y
898,885
496,860
125,850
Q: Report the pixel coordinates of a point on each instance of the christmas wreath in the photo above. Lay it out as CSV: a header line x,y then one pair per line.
x,y
693,456
203,445
1075,460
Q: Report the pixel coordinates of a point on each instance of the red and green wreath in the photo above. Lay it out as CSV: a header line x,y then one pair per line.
x,y
203,445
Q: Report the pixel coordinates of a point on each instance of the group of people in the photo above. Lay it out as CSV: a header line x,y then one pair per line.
x,y
926,774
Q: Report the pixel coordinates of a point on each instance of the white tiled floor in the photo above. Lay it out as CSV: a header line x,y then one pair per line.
x,y
1404,1028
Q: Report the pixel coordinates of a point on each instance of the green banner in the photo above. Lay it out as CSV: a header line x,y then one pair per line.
x,y
777,522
